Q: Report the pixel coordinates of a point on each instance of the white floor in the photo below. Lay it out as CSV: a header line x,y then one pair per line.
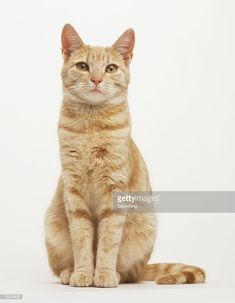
x,y
144,292
209,243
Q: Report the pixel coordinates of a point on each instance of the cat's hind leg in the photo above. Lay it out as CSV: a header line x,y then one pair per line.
x,y
58,241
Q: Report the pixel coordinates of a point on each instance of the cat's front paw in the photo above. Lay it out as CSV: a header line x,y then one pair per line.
x,y
106,279
81,279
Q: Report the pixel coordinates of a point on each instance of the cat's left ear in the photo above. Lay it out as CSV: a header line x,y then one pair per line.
x,y
125,45
70,41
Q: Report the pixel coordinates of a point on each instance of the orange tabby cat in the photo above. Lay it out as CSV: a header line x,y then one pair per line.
x,y
88,242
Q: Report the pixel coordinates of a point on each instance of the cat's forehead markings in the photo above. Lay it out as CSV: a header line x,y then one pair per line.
x,y
98,53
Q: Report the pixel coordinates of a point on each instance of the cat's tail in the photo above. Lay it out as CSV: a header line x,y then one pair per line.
x,y
173,273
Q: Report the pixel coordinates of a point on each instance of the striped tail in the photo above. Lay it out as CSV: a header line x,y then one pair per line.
x,y
173,273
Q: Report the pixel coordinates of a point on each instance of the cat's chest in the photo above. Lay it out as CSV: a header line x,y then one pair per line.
x,y
84,153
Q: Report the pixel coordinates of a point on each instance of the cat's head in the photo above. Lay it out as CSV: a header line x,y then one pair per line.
x,y
95,75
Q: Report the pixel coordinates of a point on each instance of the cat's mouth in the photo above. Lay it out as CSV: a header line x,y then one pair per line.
x,y
95,90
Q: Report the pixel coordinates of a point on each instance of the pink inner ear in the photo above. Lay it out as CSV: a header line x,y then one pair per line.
x,y
70,40
125,44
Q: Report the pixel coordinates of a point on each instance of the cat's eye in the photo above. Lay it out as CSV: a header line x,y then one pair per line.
x,y
111,68
83,66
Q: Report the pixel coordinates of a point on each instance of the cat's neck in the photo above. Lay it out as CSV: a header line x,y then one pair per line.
x,y
85,117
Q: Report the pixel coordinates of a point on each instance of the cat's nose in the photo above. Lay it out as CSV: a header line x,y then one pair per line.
x,y
96,81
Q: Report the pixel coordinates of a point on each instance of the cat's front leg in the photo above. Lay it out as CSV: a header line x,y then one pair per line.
x,y
110,230
82,233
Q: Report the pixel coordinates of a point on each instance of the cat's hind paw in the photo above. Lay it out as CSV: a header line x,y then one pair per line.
x,y
65,276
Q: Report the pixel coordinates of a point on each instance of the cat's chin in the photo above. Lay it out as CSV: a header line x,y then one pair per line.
x,y
94,98
97,98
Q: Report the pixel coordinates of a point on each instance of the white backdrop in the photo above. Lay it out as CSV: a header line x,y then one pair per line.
x,y
182,102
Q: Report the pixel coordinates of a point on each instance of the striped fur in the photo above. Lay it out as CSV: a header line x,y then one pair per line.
x,y
173,273
88,243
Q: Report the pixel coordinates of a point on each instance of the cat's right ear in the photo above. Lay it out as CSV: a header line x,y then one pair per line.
x,y
70,41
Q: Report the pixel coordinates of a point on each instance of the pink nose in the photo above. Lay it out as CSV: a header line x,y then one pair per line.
x,y
96,81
